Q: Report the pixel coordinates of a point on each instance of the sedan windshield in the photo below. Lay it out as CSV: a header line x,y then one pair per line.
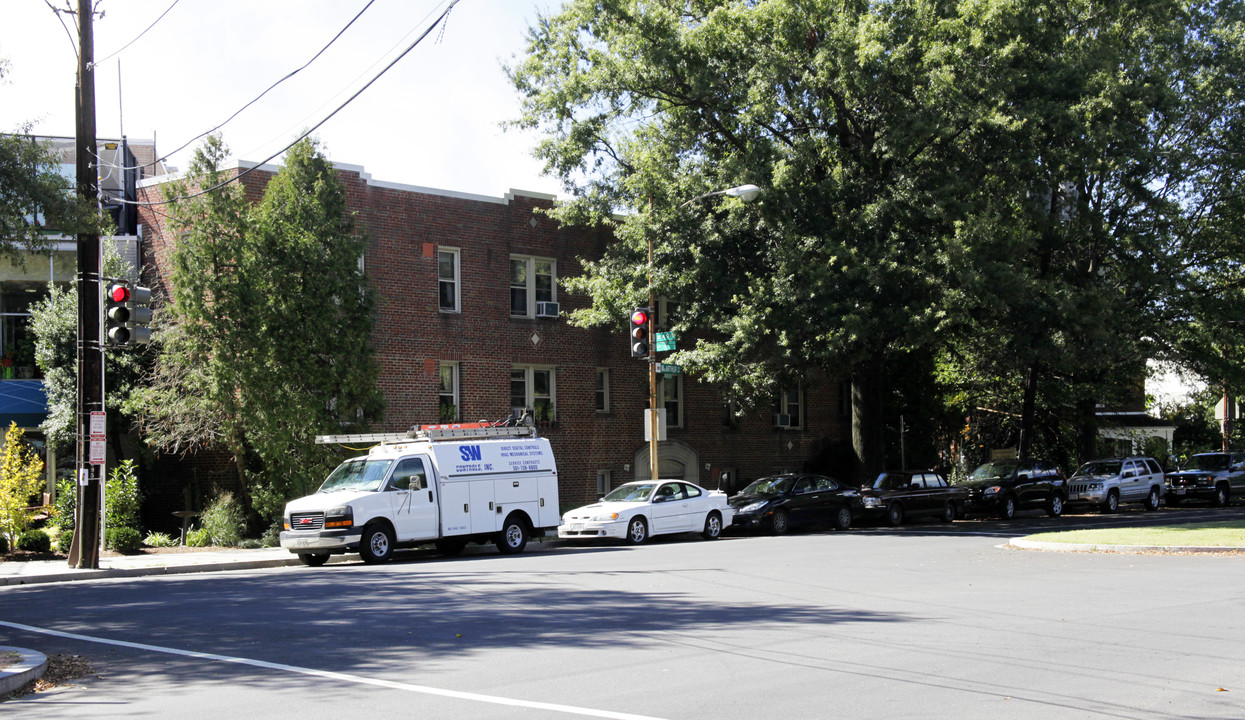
x,y
892,481
1100,467
1211,461
357,474
630,493
776,485
994,470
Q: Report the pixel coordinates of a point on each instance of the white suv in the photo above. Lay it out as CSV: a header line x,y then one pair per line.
x,y
1107,482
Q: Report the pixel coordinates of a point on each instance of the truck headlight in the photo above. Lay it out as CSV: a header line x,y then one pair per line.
x,y
339,517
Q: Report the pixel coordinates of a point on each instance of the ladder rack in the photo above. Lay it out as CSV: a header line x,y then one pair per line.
x,y
431,433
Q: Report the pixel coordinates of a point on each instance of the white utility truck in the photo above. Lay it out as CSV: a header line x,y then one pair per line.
x,y
443,484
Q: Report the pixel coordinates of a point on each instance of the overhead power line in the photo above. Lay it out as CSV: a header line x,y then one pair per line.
x,y
153,24
257,98
313,128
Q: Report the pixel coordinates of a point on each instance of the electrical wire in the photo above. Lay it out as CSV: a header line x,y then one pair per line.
x,y
313,128
257,98
153,24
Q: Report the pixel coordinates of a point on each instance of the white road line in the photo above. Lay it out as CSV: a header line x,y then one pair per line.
x,y
343,677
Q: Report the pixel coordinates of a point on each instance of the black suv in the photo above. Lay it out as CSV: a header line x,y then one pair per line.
x,y
1003,486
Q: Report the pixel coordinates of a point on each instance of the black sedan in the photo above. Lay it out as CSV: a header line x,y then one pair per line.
x,y
780,502
898,495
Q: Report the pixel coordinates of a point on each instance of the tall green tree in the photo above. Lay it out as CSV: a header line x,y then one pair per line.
x,y
266,339
870,125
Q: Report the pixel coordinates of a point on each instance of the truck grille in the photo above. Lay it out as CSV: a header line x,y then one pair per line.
x,y
1080,487
307,521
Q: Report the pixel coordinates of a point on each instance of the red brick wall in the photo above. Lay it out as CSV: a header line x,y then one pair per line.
x,y
406,225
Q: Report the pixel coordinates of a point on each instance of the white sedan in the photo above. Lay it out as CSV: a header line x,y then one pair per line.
x,y
638,510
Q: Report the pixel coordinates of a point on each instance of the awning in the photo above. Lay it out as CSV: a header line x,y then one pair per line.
x,y
23,402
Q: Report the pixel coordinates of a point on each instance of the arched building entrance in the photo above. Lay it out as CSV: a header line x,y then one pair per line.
x,y
676,460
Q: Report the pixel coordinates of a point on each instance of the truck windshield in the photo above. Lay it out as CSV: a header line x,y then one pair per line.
x,y
357,474
1100,467
1209,461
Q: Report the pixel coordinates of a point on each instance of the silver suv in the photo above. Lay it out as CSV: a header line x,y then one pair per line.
x,y
1110,481
1214,476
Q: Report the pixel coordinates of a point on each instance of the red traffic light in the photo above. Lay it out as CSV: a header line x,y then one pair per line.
x,y
119,293
639,317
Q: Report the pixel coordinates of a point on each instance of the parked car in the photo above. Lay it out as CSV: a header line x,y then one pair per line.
x,y
780,502
636,511
1214,476
1003,486
899,495
1107,482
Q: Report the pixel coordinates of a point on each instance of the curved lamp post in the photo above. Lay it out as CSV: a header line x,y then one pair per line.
x,y
747,193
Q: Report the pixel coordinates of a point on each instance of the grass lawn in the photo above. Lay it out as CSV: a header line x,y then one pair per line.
x,y
1211,534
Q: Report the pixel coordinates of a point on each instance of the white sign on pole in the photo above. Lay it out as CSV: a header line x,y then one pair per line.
x,y
661,424
99,423
97,452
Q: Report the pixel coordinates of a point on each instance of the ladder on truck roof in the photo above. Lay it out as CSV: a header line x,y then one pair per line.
x,y
433,433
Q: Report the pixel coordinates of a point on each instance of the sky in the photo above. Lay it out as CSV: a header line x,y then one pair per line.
x,y
433,120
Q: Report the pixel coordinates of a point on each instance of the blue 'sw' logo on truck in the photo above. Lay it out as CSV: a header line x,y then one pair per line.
x,y
469,453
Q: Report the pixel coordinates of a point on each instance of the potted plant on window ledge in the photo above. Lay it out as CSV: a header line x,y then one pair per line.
x,y
544,416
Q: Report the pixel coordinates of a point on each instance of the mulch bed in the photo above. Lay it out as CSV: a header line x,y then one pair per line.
x,y
62,669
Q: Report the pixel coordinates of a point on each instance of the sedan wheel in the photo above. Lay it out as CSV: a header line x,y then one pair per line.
x,y
637,531
1007,510
779,523
948,512
894,515
843,518
713,526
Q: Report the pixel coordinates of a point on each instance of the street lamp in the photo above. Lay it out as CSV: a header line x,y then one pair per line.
x,y
747,193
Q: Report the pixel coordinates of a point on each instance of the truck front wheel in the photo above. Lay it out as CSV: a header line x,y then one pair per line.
x,y
376,545
513,536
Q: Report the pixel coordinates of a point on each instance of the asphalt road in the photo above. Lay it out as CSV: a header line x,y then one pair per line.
x,y
928,621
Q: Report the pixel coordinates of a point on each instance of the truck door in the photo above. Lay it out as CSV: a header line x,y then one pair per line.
x,y
412,497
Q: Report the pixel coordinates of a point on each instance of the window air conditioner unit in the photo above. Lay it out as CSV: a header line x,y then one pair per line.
x,y
547,309
782,420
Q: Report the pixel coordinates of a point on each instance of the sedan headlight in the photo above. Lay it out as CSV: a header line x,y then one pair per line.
x,y
872,502
992,490
605,517
753,507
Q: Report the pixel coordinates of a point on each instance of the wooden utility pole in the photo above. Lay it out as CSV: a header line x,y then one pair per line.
x,y
85,550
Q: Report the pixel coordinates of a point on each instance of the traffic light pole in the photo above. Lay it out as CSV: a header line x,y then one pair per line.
x,y
84,553
652,366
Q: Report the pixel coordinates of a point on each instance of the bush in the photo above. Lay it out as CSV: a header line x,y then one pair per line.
x,y
224,521
121,499
34,541
271,536
125,540
64,542
66,505
250,544
159,540
198,538
4,544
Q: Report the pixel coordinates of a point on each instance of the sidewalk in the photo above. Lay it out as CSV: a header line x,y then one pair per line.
x,y
46,571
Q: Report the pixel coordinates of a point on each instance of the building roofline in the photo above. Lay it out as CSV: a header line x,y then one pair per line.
x,y
506,199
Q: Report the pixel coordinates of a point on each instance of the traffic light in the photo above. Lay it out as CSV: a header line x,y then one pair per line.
x,y
117,313
639,333
126,314
140,314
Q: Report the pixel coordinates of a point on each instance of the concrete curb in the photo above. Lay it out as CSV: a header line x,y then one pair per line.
x,y
105,573
30,667
1026,544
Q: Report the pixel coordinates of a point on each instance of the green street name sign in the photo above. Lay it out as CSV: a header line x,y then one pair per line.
x,y
669,369
665,341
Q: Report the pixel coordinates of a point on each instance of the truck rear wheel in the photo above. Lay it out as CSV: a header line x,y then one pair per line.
x,y
512,537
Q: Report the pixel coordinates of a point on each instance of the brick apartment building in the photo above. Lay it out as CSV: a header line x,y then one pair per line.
x,y
471,324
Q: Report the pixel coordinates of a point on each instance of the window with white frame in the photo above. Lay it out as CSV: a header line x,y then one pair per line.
x,y
533,387
787,412
532,280
448,280
670,397
447,394
603,390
